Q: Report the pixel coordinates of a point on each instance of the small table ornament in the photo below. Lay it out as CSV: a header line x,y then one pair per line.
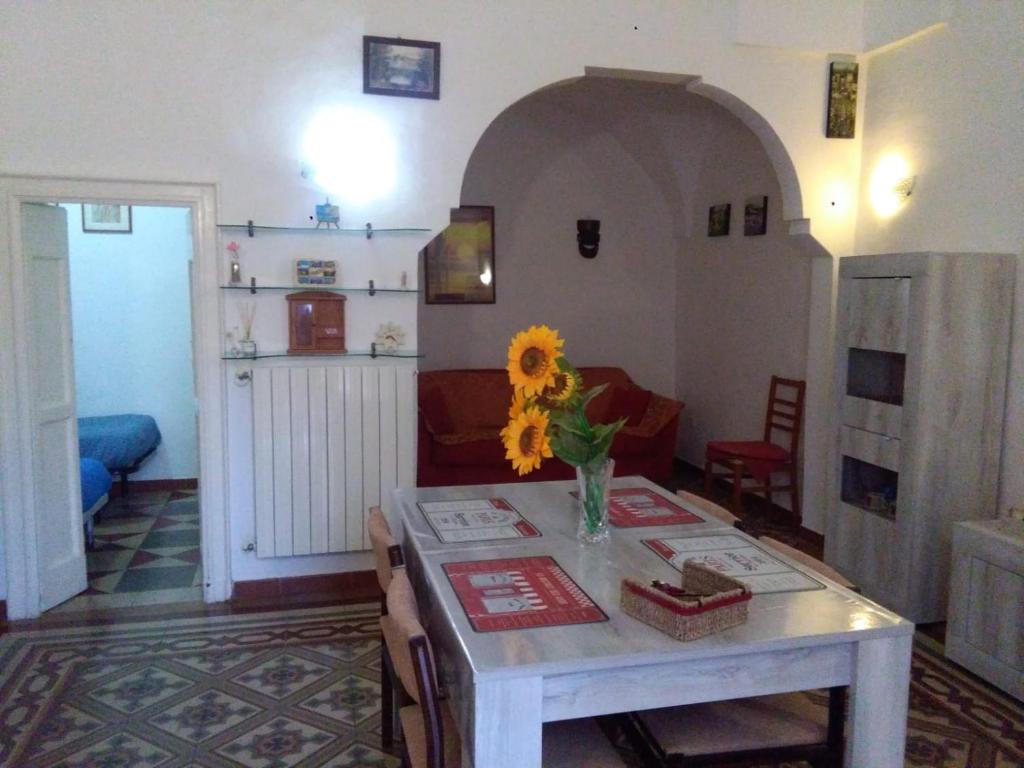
x,y
390,337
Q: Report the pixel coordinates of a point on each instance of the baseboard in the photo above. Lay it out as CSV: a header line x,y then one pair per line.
x,y
345,586
148,486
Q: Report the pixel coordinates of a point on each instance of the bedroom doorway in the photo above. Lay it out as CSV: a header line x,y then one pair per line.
x,y
129,274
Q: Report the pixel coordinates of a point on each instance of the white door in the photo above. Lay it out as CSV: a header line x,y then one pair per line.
x,y
60,540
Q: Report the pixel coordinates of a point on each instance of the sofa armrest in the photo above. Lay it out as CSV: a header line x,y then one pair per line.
x,y
469,436
660,413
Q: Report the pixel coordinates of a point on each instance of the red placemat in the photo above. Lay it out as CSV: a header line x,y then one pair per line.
x,y
519,593
640,507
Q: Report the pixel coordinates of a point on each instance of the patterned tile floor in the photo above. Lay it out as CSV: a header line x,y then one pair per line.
x,y
146,551
295,689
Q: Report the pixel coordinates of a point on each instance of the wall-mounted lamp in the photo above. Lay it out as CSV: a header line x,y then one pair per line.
x,y
588,237
891,185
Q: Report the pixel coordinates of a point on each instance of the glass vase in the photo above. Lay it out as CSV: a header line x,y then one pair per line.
x,y
593,481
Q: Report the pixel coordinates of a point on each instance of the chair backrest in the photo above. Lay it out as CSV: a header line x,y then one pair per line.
x,y
811,562
387,554
704,505
413,658
785,412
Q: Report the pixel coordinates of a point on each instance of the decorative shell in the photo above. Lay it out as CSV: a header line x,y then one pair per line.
x,y
390,336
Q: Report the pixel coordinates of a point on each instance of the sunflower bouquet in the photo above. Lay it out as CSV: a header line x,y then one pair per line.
x,y
548,418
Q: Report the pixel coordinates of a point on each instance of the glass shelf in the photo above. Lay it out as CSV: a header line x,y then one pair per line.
x,y
316,287
401,353
368,230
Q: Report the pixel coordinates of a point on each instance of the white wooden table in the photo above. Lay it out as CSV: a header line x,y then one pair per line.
x,y
505,685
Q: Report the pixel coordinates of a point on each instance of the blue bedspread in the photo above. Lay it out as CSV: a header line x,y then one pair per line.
x,y
96,482
117,441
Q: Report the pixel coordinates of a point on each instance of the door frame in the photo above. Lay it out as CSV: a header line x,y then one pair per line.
x,y
17,501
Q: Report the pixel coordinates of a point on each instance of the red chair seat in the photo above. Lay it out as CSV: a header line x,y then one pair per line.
x,y
761,458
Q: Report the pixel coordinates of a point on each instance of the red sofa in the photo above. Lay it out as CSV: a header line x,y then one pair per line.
x,y
462,411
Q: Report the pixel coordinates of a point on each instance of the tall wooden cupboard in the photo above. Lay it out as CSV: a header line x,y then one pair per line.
x,y
922,353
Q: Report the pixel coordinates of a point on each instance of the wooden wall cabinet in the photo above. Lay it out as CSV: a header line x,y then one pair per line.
x,y
922,351
316,323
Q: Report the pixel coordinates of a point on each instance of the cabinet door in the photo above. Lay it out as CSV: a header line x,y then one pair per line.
x,y
877,312
302,325
330,326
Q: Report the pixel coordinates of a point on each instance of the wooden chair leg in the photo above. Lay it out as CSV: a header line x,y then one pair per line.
x,y
737,488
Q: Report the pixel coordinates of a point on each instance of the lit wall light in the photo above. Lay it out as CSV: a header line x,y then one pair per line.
x,y
350,154
891,184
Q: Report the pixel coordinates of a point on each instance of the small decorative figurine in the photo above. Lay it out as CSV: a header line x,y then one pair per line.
x,y
390,336
328,214
405,279
236,268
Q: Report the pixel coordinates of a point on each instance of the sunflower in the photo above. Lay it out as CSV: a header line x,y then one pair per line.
x,y
567,383
526,440
531,359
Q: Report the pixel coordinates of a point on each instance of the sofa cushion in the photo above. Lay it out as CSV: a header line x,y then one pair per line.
x,y
629,403
435,410
469,449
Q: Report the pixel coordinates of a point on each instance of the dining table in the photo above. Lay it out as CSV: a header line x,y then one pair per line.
x,y
527,627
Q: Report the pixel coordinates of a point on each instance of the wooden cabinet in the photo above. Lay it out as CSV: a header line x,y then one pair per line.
x,y
986,603
316,323
922,350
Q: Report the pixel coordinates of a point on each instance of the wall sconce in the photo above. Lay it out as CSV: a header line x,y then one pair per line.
x,y
891,185
588,236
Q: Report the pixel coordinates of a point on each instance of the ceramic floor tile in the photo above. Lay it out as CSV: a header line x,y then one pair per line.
x,y
351,700
149,579
171,539
282,675
204,716
122,749
108,560
140,689
281,743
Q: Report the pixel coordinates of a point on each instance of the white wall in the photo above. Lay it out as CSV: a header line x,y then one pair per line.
x,y
949,102
743,302
131,319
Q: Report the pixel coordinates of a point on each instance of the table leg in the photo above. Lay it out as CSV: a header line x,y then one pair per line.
x,y
507,723
879,699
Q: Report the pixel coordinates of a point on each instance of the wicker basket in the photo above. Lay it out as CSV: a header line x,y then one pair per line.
x,y
722,603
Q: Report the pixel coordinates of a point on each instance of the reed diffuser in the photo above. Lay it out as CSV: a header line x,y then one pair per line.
x,y
247,314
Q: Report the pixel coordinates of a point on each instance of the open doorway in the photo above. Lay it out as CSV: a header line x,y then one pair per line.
x,y
116,282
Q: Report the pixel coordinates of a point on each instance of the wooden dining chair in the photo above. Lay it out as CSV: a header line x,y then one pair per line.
x,y
387,555
760,459
431,738
769,729
709,507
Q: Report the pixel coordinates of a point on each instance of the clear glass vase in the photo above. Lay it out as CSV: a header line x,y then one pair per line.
x,y
594,481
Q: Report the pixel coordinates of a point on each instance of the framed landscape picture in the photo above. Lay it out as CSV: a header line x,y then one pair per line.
x,y
396,67
107,218
458,264
755,215
842,100
718,219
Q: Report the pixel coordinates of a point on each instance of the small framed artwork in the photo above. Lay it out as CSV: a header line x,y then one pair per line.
x,y
107,218
718,219
842,100
396,67
458,264
755,215
313,272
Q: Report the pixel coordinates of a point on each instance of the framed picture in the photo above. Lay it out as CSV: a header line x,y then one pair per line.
x,y
396,67
718,219
313,272
755,215
842,100
103,217
458,264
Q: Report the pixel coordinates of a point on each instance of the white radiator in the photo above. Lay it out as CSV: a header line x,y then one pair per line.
x,y
328,444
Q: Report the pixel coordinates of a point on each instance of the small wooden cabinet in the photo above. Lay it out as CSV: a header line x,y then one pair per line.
x,y
986,603
316,323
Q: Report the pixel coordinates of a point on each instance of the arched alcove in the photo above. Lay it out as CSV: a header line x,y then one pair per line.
x,y
708,320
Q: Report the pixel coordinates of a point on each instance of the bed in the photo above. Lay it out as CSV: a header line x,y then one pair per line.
x,y
96,483
120,443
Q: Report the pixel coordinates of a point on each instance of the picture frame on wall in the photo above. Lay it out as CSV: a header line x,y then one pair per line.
x,y
107,218
755,215
718,219
458,264
396,67
841,121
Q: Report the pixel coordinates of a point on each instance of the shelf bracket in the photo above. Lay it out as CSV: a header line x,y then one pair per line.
x,y
373,350
373,291
252,286
369,231
249,229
